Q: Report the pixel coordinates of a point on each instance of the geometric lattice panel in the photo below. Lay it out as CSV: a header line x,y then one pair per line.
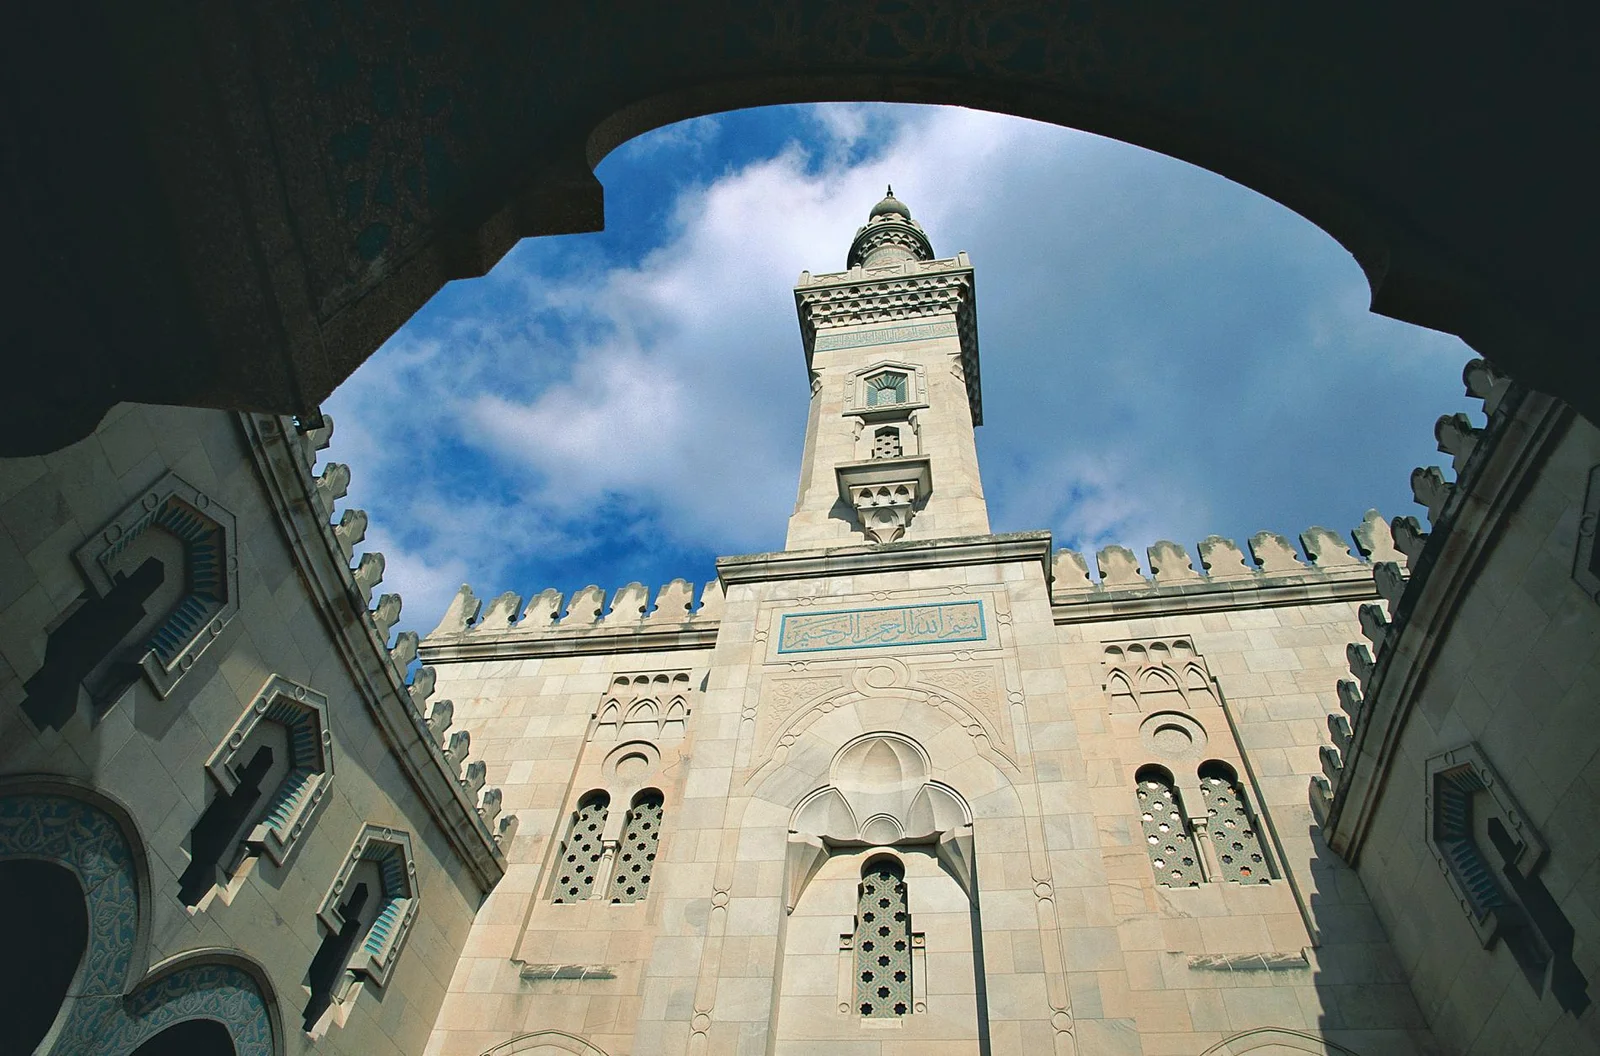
x,y
581,856
1166,833
883,942
1238,844
636,857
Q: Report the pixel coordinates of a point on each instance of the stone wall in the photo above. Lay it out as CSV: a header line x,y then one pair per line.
x,y
85,703
1463,788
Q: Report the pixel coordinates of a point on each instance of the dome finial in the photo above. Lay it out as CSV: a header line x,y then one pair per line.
x,y
889,192
890,206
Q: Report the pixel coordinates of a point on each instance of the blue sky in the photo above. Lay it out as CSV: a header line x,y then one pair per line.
x,y
1166,355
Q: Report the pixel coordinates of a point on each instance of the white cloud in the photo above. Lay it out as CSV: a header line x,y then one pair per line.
x,y
1161,349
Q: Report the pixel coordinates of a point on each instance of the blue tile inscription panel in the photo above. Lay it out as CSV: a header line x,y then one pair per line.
x,y
815,632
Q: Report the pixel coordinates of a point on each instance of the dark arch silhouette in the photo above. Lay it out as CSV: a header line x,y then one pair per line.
x,y
41,947
276,217
192,1037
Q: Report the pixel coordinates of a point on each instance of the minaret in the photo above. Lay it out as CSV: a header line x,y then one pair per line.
x,y
892,348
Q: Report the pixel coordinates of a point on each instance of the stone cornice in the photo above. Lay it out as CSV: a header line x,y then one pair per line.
x,y
601,641
1469,525
896,293
326,575
1263,591
1018,547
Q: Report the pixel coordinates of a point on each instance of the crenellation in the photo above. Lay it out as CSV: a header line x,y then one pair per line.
x,y
1119,567
506,831
476,774
711,598
1409,538
366,576
331,485
673,603
1375,625
420,688
1332,765
542,611
1325,549
1070,573
1485,383
315,439
1374,539
404,651
385,615
1222,558
1359,659
440,718
1349,694
1170,563
628,605
585,609
455,752
460,613
1431,490
1340,731
1390,580
351,529
489,809
1274,553
1457,437
501,613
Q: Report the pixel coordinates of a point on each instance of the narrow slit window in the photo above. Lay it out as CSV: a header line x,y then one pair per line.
x,y
580,855
1237,837
883,941
637,856
1173,855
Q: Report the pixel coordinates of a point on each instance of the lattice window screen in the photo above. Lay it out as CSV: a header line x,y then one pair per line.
x,y
637,856
883,942
581,854
1173,854
1239,848
886,443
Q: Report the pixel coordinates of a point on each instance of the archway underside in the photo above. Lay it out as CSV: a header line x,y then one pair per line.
x,y
292,185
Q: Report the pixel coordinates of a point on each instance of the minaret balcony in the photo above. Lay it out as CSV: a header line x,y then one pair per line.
x,y
885,493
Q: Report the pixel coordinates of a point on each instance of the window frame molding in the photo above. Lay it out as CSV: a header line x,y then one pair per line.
x,y
94,555
376,965
1455,775
279,839
858,398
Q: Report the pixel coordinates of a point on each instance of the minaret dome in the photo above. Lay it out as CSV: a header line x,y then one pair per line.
x,y
889,237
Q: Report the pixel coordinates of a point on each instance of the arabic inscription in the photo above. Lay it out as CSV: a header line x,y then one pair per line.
x,y
811,632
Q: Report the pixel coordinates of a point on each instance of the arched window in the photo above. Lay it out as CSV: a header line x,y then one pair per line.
x,y
883,940
637,855
47,933
1173,855
192,1037
1240,851
580,855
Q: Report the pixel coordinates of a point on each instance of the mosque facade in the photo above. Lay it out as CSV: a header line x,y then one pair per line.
x,y
904,786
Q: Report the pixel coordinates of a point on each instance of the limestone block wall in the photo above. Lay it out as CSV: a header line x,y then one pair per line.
x,y
83,716
918,315
568,697
1463,786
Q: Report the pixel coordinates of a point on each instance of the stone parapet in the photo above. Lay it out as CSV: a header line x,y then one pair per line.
x,y
1278,576
1405,633
551,624
449,787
